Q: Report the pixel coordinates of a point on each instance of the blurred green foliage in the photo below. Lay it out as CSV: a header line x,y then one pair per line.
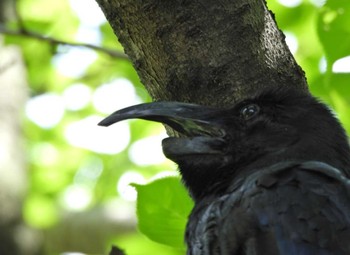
x,y
55,165
323,35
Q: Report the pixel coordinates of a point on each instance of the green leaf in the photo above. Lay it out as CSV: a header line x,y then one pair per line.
x,y
333,89
163,207
339,94
334,29
138,244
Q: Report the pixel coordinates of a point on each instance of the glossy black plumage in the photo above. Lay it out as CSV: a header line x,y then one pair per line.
x,y
268,175
281,209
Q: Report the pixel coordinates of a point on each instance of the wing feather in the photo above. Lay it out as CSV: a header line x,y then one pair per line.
x,y
289,209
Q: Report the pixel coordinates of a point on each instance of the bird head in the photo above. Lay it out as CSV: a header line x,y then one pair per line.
x,y
216,146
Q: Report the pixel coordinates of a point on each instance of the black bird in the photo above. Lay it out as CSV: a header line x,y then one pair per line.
x,y
268,175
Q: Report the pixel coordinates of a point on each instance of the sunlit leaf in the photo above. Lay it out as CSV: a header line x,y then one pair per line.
x,y
334,29
163,207
339,94
137,244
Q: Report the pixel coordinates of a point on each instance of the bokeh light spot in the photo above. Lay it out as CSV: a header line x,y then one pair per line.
x,y
115,95
77,96
342,65
45,110
290,3
148,151
87,134
76,197
124,188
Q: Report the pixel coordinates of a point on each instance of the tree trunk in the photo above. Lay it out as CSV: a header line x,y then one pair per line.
x,y
15,237
203,51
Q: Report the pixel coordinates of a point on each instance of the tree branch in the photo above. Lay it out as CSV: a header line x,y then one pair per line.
x,y
40,37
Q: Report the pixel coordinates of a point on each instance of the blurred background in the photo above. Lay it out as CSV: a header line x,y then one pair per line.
x,y
64,181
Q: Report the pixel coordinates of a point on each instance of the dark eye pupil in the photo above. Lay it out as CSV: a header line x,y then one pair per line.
x,y
249,111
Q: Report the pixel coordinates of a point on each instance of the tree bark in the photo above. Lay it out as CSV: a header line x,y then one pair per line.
x,y
203,51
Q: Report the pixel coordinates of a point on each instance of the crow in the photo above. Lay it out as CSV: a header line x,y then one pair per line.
x,y
269,175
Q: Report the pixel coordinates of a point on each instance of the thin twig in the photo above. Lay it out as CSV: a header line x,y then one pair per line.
x,y
37,36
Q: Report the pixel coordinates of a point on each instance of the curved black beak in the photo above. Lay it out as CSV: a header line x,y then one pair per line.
x,y
188,119
201,125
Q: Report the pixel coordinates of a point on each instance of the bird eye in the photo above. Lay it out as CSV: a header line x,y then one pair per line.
x,y
249,111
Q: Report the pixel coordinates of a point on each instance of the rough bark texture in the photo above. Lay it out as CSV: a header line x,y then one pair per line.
x,y
204,51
